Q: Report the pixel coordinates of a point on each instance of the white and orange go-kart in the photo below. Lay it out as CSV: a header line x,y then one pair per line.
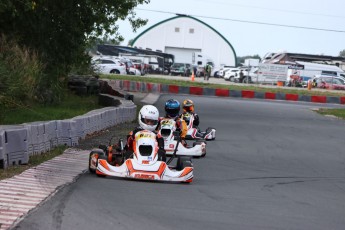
x,y
194,133
172,142
145,164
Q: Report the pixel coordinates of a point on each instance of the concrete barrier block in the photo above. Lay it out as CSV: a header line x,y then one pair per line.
x,y
235,93
335,100
52,133
3,161
209,91
304,98
15,145
259,95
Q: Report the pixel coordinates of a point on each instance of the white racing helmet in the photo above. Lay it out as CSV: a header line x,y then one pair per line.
x,y
148,117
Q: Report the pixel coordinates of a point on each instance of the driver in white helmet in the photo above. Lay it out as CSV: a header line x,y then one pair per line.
x,y
148,120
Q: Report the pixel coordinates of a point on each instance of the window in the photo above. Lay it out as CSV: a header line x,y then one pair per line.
x,y
191,31
107,62
177,29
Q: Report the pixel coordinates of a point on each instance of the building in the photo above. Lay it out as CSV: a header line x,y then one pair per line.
x,y
188,38
292,58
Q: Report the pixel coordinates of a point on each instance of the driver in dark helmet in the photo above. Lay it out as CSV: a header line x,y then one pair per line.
x,y
172,111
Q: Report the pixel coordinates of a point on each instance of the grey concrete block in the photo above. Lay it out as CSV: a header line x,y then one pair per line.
x,y
235,93
183,89
164,88
305,98
209,92
280,96
259,95
335,100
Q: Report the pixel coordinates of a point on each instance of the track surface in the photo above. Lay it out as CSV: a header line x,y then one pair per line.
x,y
274,165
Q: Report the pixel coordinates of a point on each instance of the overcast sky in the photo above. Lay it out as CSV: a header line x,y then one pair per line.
x,y
251,37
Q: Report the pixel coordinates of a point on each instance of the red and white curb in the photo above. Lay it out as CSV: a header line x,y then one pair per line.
x,y
157,88
22,193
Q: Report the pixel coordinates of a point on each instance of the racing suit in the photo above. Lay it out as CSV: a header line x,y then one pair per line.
x,y
196,121
130,141
181,126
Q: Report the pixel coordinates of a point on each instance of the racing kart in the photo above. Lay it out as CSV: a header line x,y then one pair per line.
x,y
172,142
194,133
145,163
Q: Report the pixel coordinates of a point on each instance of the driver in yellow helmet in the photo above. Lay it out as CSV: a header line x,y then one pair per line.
x,y
188,107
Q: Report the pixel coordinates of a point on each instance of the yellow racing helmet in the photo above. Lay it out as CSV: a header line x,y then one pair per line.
x,y
188,105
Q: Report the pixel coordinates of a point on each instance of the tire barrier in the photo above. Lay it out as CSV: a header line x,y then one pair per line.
x,y
18,142
84,84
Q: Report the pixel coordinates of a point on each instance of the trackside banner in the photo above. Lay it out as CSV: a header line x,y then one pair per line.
x,y
272,72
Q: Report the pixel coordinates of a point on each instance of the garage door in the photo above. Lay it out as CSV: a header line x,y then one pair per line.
x,y
182,55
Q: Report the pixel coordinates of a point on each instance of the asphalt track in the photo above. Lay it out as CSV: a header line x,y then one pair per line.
x,y
274,165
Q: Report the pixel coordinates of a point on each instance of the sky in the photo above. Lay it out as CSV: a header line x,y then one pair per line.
x,y
244,23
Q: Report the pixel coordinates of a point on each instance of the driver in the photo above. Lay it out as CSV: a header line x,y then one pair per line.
x,y
188,107
148,120
172,111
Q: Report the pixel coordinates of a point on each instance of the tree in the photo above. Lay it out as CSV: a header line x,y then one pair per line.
x,y
342,53
130,42
59,31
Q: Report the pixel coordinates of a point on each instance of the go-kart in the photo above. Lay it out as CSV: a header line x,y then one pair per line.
x,y
173,144
145,163
194,133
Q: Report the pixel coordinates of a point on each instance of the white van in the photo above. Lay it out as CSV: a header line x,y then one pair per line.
x,y
308,70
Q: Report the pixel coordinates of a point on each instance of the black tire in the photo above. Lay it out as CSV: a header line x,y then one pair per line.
x,y
115,71
100,153
246,79
198,142
208,130
182,162
232,79
162,155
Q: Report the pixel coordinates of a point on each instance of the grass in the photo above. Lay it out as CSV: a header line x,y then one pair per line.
x,y
71,106
335,112
33,161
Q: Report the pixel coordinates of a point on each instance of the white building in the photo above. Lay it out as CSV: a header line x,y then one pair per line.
x,y
185,37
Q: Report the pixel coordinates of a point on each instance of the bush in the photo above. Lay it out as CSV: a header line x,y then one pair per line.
x,y
20,75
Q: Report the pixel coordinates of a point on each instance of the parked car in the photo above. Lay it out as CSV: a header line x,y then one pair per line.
x,y
183,69
329,82
130,67
108,66
140,65
223,70
230,74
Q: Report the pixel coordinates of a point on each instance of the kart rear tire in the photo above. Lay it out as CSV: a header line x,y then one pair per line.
x,y
209,129
100,153
182,162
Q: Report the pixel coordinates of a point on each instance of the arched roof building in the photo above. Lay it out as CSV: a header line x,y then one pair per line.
x,y
187,38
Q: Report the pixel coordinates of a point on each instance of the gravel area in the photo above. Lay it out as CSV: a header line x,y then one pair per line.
x,y
112,134
104,137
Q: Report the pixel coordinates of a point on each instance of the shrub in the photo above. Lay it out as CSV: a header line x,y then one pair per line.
x,y
20,75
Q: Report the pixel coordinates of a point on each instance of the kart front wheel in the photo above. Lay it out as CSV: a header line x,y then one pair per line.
x,y
93,159
183,162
